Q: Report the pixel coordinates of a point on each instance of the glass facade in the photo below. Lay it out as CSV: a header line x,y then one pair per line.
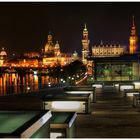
x,y
116,72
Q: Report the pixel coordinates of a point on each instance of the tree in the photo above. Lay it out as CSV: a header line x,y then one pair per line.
x,y
73,69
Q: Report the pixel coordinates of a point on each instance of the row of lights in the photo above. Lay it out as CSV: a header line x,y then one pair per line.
x,y
62,80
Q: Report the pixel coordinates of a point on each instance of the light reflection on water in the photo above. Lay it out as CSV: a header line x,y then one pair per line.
x,y
13,83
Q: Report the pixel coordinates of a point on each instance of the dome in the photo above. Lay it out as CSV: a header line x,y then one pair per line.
x,y
75,54
57,45
3,52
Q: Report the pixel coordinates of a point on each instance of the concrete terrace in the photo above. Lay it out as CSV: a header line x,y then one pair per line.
x,y
112,117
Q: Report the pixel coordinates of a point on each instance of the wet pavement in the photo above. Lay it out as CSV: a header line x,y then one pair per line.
x,y
112,116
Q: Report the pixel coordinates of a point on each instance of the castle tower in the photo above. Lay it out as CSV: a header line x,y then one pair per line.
x,y
85,43
133,40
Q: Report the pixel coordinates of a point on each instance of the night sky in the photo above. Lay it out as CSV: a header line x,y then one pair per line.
x,y
25,26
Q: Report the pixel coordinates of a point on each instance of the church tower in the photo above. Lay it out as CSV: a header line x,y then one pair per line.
x,y
49,45
85,43
133,40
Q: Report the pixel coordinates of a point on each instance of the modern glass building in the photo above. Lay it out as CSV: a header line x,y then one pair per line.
x,y
121,68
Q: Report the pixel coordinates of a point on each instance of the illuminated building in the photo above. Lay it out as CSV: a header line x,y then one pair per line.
x,y
62,60
50,48
119,68
22,62
53,56
133,40
28,62
3,53
31,54
107,50
112,63
50,56
85,43
3,57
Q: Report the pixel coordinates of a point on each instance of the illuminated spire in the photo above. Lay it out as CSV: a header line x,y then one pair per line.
x,y
85,32
133,40
133,29
133,21
85,27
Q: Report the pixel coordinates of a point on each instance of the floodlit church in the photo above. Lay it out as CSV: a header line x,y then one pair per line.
x,y
52,49
52,54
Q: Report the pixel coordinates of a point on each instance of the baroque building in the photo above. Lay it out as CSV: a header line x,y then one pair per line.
x,y
51,49
53,56
107,50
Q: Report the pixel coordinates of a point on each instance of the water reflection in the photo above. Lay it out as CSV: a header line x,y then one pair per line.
x,y
13,83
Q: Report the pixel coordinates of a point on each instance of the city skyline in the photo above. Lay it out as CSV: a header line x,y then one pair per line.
x,y
25,26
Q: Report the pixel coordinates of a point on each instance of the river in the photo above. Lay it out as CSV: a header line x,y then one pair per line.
x,y
13,83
